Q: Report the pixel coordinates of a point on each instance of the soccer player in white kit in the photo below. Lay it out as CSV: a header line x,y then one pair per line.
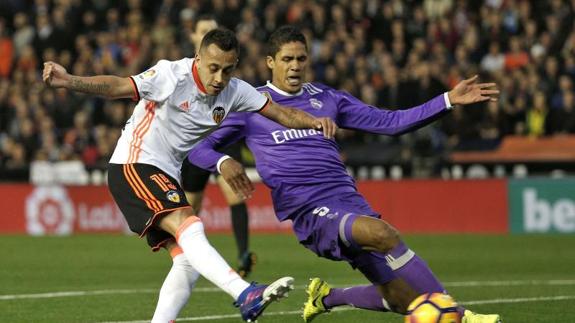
x,y
179,102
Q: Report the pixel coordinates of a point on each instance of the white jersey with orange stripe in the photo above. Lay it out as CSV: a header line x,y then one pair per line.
x,y
174,113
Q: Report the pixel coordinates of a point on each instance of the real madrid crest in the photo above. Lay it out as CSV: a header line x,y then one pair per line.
x,y
218,114
315,103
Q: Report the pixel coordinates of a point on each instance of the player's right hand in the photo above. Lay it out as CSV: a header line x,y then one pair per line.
x,y
327,126
54,75
235,175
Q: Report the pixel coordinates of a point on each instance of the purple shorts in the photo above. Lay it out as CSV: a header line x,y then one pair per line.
x,y
326,230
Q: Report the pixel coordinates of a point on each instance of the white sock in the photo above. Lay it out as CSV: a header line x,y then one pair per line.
x,y
176,290
206,260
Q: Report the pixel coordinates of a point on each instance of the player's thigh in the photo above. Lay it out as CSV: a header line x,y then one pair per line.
x,y
325,229
144,194
374,234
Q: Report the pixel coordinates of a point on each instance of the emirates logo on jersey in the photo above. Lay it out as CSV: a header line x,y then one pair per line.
x,y
218,114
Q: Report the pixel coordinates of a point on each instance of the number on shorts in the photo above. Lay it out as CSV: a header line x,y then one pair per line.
x,y
321,211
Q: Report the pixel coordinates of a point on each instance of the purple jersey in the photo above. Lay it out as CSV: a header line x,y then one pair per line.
x,y
301,166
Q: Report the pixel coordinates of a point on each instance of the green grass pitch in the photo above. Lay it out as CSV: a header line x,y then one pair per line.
x,y
106,278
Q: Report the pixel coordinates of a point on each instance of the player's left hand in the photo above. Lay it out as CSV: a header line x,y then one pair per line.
x,y
327,126
235,175
469,91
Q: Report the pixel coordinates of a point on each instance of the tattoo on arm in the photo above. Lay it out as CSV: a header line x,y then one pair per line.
x,y
100,88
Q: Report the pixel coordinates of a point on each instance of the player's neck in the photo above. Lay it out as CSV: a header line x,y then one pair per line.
x,y
274,86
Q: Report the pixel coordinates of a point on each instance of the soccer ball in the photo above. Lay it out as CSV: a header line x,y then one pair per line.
x,y
433,308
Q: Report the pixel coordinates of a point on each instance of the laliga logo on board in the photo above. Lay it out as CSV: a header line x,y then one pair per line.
x,y
49,211
218,114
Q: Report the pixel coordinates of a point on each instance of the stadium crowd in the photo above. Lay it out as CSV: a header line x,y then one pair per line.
x,y
392,54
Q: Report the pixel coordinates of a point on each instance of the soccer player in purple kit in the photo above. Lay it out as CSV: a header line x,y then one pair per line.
x,y
329,216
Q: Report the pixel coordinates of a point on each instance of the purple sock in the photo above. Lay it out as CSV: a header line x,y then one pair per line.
x,y
413,270
365,297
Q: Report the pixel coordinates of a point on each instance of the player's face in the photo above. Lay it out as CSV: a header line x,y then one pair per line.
x,y
289,66
202,28
215,68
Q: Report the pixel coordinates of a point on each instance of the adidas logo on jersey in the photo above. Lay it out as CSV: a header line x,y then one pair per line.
x,y
185,106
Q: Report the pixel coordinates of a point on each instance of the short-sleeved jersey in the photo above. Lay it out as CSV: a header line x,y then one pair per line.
x,y
174,113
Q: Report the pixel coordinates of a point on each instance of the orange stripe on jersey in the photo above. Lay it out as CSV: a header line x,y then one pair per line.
x,y
197,79
177,250
139,133
136,189
148,194
189,221
135,140
136,96
135,136
137,148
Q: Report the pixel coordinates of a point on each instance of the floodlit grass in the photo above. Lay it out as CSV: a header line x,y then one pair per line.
x,y
527,278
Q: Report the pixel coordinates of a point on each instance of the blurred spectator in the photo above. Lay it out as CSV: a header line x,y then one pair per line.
x,y
516,57
392,54
494,61
7,50
537,116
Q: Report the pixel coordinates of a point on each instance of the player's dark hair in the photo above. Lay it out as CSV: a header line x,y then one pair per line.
x,y
203,17
283,35
224,38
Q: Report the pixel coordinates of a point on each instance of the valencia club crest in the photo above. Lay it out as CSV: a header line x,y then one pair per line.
x,y
218,114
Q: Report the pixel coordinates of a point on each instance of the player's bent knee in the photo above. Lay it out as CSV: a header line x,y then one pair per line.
x,y
384,236
173,220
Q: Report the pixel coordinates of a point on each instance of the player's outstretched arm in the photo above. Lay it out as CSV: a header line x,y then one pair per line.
x,y
298,119
354,114
469,91
109,86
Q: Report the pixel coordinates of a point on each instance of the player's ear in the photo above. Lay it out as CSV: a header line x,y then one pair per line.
x,y
270,62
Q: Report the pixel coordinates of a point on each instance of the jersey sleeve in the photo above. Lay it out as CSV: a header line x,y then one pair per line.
x,y
157,83
205,154
248,98
354,114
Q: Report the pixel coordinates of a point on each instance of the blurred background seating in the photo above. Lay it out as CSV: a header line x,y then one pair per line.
x,y
391,54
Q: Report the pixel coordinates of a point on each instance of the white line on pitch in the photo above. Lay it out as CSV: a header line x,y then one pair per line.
x,y
215,289
268,314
